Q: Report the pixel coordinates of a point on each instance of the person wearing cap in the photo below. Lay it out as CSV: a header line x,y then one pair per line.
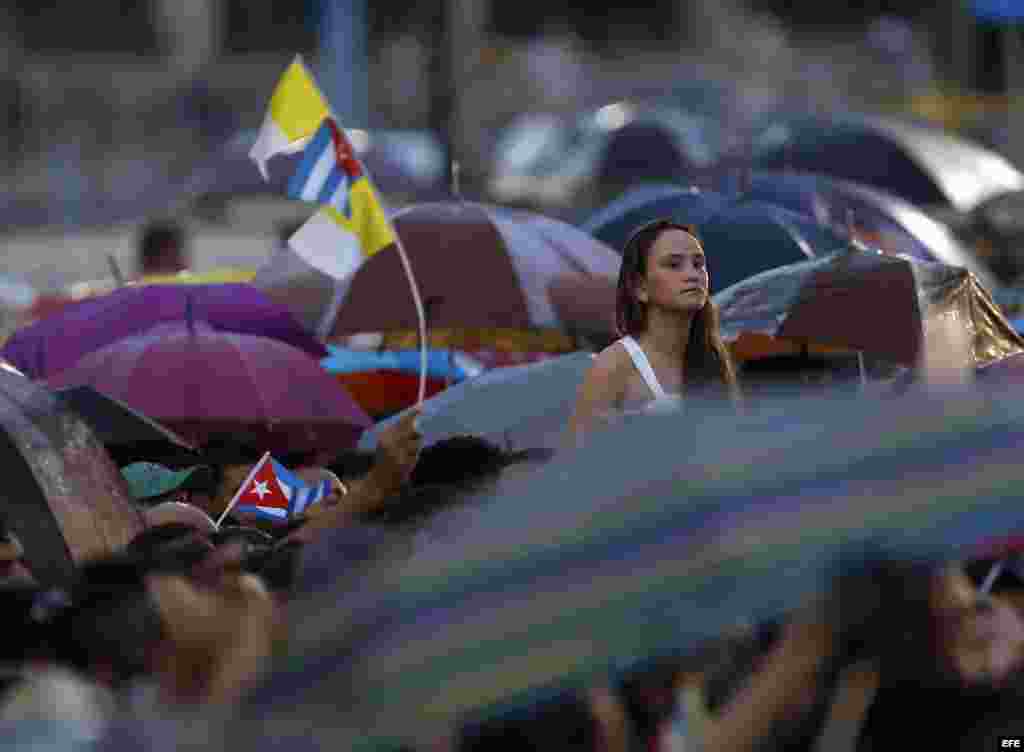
x,y
151,484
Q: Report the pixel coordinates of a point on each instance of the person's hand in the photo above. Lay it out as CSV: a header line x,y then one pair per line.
x,y
398,449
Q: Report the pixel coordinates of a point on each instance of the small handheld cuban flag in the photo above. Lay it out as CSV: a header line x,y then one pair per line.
x,y
275,493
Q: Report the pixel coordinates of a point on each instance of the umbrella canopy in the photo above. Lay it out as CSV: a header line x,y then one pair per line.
x,y
867,301
128,435
510,256
553,161
614,223
741,237
62,495
878,219
221,275
384,382
292,282
57,342
657,535
201,383
519,406
922,164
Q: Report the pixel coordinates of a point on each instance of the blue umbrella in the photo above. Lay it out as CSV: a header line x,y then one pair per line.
x,y
441,364
614,223
523,406
878,218
741,237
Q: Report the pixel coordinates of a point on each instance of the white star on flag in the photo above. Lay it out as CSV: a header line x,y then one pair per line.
x,y
260,489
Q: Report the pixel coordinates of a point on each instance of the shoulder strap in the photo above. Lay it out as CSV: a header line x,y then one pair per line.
x,y
643,365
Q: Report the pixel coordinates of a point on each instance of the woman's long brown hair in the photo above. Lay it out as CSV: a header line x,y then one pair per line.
x,y
708,366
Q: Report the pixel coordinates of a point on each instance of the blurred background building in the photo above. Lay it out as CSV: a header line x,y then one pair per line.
x,y
110,125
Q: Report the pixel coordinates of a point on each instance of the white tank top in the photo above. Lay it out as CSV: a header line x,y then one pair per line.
x,y
662,399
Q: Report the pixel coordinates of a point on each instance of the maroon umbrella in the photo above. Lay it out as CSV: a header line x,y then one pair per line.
x,y
57,342
204,383
478,267
586,304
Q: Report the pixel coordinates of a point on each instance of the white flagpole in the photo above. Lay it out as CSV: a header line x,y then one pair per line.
x,y
418,302
241,488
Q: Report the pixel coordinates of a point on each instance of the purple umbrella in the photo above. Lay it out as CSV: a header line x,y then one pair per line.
x,y
203,383
57,342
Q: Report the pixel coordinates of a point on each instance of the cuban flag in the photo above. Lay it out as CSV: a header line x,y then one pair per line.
x,y
328,169
275,493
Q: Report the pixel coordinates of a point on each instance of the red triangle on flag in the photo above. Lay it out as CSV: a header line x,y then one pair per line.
x,y
263,490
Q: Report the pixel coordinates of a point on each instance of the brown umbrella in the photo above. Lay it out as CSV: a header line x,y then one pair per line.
x,y
477,267
866,301
586,304
62,494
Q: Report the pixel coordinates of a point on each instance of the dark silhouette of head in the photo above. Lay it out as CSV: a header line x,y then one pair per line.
x,y
162,248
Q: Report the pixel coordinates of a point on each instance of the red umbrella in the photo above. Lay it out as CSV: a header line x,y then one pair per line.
x,y
202,383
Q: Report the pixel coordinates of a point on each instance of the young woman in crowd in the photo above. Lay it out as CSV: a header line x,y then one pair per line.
x,y
671,346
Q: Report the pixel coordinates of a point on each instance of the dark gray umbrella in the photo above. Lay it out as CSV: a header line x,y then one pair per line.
x,y
62,494
127,434
922,164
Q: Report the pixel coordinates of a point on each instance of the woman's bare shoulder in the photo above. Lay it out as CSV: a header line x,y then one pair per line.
x,y
611,359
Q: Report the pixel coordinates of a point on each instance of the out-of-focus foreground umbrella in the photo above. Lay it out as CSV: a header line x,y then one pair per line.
x,y
660,533
203,383
520,406
128,435
509,256
865,300
62,495
59,341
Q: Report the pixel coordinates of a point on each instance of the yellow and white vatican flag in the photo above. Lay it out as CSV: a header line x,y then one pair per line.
x,y
350,225
296,110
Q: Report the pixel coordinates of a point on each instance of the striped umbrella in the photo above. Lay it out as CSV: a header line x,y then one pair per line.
x,y
477,266
659,534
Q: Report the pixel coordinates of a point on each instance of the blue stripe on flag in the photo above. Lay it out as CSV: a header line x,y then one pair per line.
x,y
336,178
300,494
266,513
310,156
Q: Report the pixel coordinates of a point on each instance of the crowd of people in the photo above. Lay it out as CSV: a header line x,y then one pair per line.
x,y
187,620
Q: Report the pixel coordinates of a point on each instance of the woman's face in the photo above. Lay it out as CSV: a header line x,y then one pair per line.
x,y
677,274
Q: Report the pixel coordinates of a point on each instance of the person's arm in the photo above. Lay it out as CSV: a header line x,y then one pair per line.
x,y
398,448
601,393
784,688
